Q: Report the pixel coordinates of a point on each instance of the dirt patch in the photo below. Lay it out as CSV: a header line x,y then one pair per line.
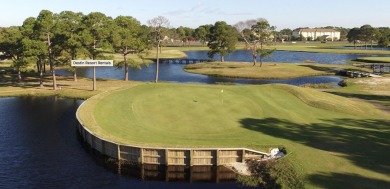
x,y
377,86
375,81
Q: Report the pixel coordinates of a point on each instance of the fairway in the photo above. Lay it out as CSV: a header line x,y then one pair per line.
x,y
327,135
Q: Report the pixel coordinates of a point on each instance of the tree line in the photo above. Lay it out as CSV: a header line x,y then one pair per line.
x,y
368,35
55,39
52,39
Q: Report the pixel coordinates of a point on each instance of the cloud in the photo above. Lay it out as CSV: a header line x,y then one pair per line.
x,y
209,11
198,5
235,14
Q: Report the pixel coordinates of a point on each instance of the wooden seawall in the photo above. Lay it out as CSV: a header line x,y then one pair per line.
x,y
168,156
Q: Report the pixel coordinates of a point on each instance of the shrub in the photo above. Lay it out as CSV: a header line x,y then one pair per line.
x,y
272,174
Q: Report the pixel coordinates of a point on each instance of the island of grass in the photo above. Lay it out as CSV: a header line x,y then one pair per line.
x,y
268,70
374,59
327,136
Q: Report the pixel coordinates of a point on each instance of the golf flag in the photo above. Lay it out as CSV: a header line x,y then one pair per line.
x,y
222,96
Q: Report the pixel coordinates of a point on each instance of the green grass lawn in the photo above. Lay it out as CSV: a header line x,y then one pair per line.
x,y
330,47
336,142
374,59
267,71
311,46
165,53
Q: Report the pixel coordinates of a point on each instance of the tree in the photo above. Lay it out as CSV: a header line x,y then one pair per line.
x,y
67,38
158,26
222,40
11,46
35,50
384,36
95,36
286,34
367,34
128,38
185,34
383,41
343,33
44,27
202,33
353,36
257,34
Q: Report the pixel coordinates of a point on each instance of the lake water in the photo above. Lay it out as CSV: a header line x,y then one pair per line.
x,y
282,56
174,72
40,148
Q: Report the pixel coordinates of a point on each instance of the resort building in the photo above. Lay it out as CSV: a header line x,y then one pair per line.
x,y
317,33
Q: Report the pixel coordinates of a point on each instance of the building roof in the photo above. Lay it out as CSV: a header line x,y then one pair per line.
x,y
317,30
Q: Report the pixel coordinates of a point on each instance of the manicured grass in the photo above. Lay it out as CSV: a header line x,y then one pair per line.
x,y
331,47
82,89
267,71
336,141
374,59
166,53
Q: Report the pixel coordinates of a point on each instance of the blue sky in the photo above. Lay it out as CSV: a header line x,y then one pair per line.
x,y
193,13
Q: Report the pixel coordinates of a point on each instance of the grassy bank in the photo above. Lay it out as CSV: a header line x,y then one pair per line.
x,y
165,53
312,46
374,90
336,141
336,49
82,89
267,71
374,59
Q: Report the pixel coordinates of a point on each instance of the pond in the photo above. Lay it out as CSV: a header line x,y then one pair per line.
x,y
40,148
282,56
174,72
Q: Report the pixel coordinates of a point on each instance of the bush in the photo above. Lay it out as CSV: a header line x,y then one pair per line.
x,y
272,174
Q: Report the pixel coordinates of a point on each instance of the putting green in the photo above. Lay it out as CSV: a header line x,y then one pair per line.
x,y
174,115
329,136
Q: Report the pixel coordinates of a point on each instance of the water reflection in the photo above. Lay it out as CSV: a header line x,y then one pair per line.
x,y
172,173
174,73
40,148
282,56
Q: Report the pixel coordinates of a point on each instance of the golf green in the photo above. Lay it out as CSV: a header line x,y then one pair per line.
x,y
328,136
174,115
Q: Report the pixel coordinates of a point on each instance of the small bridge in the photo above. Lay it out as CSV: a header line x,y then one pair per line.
x,y
380,68
376,67
182,61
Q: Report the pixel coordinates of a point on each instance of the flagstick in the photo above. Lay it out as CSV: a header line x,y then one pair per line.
x,y
222,96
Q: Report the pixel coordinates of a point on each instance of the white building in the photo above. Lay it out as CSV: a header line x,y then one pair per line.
x,y
329,34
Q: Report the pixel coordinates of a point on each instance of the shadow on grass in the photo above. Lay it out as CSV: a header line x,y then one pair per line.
x,y
380,101
363,96
366,143
339,180
329,69
319,68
